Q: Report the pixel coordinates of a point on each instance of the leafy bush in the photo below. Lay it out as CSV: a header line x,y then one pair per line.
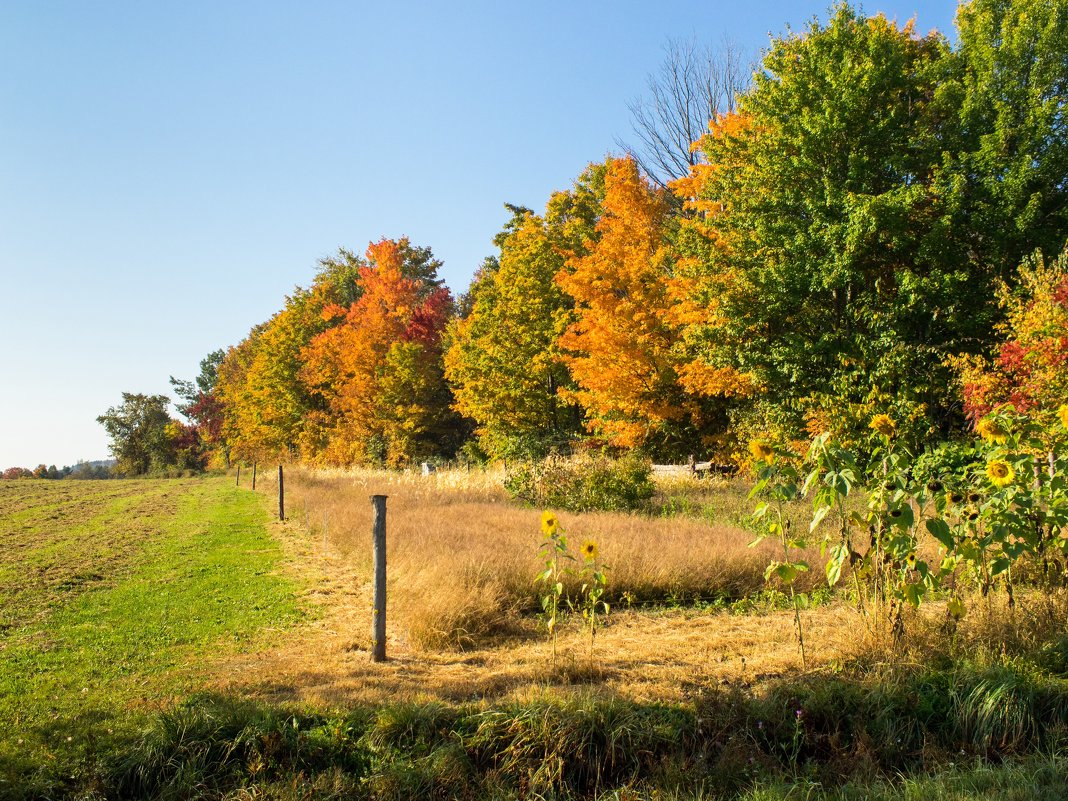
x,y
583,485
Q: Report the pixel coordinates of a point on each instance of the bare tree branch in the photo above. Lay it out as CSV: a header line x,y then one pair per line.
x,y
695,83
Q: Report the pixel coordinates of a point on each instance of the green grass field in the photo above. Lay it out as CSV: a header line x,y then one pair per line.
x,y
123,602
115,596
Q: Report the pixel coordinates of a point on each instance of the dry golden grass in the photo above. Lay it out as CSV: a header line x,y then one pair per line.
x,y
462,557
990,628
461,562
666,656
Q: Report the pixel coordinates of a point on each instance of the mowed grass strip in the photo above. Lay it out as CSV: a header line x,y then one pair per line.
x,y
198,577
58,538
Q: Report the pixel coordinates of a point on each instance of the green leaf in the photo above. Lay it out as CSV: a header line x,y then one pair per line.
x,y
939,529
839,554
904,520
786,573
818,517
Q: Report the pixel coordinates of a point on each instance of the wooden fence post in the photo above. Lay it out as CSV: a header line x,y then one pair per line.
x,y
378,617
281,494
253,476
238,483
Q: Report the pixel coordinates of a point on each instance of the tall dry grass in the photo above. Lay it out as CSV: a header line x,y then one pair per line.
x,y
462,557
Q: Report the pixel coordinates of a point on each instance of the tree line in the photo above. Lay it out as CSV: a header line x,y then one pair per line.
x,y
871,225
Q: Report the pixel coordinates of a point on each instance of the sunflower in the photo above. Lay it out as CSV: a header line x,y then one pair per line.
x,y
991,431
1000,472
589,551
761,451
549,524
1063,414
911,561
882,424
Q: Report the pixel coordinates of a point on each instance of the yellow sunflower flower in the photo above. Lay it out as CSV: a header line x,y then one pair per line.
x,y
1063,414
589,551
1000,472
761,451
549,524
882,424
991,431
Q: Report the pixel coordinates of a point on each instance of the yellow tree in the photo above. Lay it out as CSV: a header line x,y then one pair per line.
x,y
265,406
503,359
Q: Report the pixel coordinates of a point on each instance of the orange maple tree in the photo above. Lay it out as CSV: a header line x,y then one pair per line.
x,y
619,349
376,369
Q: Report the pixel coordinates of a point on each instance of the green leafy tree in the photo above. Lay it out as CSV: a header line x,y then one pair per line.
x,y
191,392
838,288
1004,177
141,441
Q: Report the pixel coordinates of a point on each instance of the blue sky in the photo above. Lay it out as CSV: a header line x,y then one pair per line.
x,y
169,171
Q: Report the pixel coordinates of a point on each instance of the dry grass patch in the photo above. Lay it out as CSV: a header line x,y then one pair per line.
x,y
665,657
462,557
453,552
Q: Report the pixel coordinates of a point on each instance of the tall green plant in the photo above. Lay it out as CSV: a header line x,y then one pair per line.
x,y
594,576
778,483
554,554
990,504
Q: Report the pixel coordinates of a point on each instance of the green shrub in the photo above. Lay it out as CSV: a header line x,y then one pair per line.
x,y
583,485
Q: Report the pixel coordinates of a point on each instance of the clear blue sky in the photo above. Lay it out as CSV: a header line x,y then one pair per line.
x,y
169,171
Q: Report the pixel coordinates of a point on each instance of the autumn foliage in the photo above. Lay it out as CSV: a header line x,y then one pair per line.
x,y
619,348
845,246
376,370
1028,369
